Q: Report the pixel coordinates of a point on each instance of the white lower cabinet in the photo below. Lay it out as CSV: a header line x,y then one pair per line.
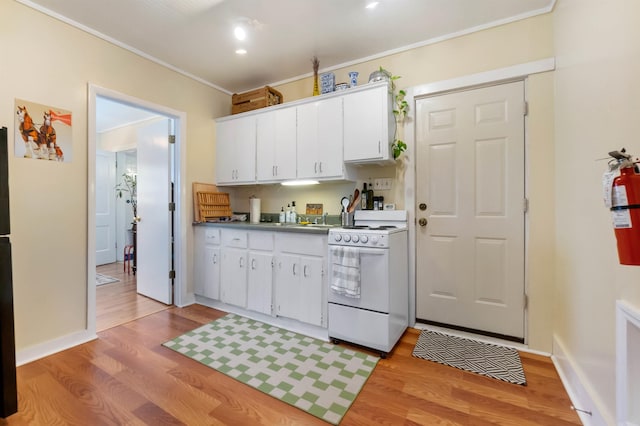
x,y
260,279
300,291
207,263
233,271
233,286
274,273
299,284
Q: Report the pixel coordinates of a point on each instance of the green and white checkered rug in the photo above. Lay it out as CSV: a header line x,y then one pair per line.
x,y
318,377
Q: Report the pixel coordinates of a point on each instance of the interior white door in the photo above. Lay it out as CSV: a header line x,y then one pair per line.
x,y
105,207
470,198
154,227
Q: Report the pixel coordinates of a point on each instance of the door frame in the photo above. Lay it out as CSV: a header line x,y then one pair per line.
x,y
180,218
471,81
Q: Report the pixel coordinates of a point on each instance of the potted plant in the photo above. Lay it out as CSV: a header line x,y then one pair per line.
x,y
129,186
400,109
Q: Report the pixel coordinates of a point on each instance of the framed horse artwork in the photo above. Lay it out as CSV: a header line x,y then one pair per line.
x,y
42,132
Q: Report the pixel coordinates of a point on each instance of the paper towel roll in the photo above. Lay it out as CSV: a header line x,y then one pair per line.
x,y
254,210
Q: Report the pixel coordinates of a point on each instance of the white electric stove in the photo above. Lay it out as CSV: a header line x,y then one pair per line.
x,y
370,308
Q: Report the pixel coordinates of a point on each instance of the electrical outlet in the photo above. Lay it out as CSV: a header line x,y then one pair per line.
x,y
382,184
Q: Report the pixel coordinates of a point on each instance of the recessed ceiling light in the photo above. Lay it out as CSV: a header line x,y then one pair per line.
x,y
241,52
240,33
372,5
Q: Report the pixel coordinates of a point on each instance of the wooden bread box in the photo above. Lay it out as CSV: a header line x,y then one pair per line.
x,y
255,99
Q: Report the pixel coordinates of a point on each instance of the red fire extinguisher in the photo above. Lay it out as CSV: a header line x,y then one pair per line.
x,y
622,196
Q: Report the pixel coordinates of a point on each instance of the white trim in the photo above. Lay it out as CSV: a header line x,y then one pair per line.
x,y
182,225
514,72
626,317
41,350
582,397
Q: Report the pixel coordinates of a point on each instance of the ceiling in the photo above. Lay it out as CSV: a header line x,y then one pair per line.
x,y
195,37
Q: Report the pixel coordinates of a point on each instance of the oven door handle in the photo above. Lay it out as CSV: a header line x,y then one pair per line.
x,y
379,251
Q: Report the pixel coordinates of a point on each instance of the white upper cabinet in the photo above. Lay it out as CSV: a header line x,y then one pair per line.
x,y
236,151
369,125
307,139
276,145
319,133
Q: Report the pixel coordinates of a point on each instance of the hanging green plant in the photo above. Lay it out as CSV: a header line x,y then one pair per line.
x,y
400,109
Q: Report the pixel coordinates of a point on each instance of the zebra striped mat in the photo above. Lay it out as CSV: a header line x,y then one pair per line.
x,y
497,362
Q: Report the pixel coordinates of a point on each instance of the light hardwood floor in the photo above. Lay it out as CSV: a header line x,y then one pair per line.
x,y
118,303
127,377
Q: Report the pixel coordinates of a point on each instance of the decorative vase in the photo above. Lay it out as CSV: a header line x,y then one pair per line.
x,y
316,89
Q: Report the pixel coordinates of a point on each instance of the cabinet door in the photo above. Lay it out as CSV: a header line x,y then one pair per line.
x,y
225,169
320,139
233,275
211,273
308,143
236,150
311,290
367,118
276,145
245,150
287,276
330,128
265,147
260,283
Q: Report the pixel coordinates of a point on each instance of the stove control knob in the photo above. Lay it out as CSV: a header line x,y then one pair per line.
x,y
337,237
355,239
347,238
374,239
364,239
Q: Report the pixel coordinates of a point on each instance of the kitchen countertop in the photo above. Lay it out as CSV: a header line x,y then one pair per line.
x,y
272,226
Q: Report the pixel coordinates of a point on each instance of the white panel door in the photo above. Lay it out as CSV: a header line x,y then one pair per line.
x,y
470,233
105,207
154,228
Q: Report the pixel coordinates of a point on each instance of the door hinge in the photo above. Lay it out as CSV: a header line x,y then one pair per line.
x,y
172,139
172,274
526,301
525,110
172,207
525,205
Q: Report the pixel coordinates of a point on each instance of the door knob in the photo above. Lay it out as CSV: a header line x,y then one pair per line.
x,y
422,221
422,206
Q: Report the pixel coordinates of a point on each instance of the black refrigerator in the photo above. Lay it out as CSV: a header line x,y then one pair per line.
x,y
8,387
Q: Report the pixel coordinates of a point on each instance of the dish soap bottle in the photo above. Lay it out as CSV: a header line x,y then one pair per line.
x,y
282,217
287,215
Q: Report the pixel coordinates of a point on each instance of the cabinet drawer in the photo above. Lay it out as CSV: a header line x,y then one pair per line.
x,y
212,236
233,238
260,240
314,245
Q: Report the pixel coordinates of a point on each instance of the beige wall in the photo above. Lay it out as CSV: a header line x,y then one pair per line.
x,y
49,62
596,111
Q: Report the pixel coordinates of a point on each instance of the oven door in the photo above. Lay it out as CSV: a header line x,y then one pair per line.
x,y
374,281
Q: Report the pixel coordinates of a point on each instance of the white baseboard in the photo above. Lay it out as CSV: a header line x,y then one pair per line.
x,y
42,350
587,405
